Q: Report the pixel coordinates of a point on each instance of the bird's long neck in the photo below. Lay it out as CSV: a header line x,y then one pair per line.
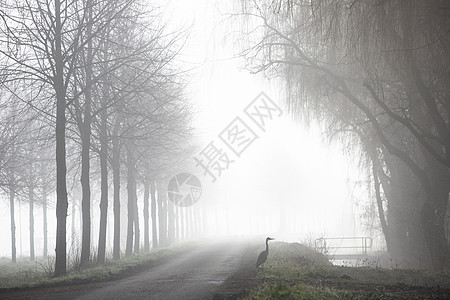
x,y
267,246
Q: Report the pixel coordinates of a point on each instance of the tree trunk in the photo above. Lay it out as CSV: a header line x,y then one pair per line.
x,y
44,219
187,222
197,220
434,211
191,222
137,234
204,222
74,213
61,189
116,183
43,168
162,214
177,222
103,206
171,222
13,223
153,212
381,215
104,177
146,215
131,189
31,219
437,183
85,149
405,199
182,223
86,195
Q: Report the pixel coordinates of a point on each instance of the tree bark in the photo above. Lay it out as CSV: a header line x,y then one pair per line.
x,y
43,174
171,222
153,212
74,213
381,215
44,219
137,235
204,223
177,222
13,223
61,170
31,219
146,215
434,210
103,205
116,183
85,149
182,223
104,177
191,222
187,222
131,189
162,214
198,220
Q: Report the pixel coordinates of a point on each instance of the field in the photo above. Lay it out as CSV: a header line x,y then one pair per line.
x,y
294,271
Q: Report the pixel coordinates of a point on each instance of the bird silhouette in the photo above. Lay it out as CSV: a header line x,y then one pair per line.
x,y
263,255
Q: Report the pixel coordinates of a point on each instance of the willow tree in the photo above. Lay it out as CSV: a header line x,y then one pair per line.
x,y
373,73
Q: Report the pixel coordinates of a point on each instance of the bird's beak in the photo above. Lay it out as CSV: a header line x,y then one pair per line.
x,y
271,238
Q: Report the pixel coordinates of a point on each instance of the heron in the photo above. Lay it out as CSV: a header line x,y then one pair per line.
x,y
263,255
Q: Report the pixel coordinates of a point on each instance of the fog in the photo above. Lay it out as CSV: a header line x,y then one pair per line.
x,y
276,187
129,128
279,179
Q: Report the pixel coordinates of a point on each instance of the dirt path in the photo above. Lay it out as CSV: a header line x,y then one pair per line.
x,y
197,274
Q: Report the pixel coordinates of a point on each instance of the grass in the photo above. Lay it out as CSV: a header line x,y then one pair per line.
x,y
294,271
22,271
26,274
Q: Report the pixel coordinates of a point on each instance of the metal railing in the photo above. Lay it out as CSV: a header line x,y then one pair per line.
x,y
325,245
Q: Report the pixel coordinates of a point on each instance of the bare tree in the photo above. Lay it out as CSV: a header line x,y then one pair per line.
x,y
41,45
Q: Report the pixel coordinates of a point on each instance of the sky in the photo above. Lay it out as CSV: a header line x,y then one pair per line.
x,y
288,183
289,172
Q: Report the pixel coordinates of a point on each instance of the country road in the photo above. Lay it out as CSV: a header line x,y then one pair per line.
x,y
196,274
